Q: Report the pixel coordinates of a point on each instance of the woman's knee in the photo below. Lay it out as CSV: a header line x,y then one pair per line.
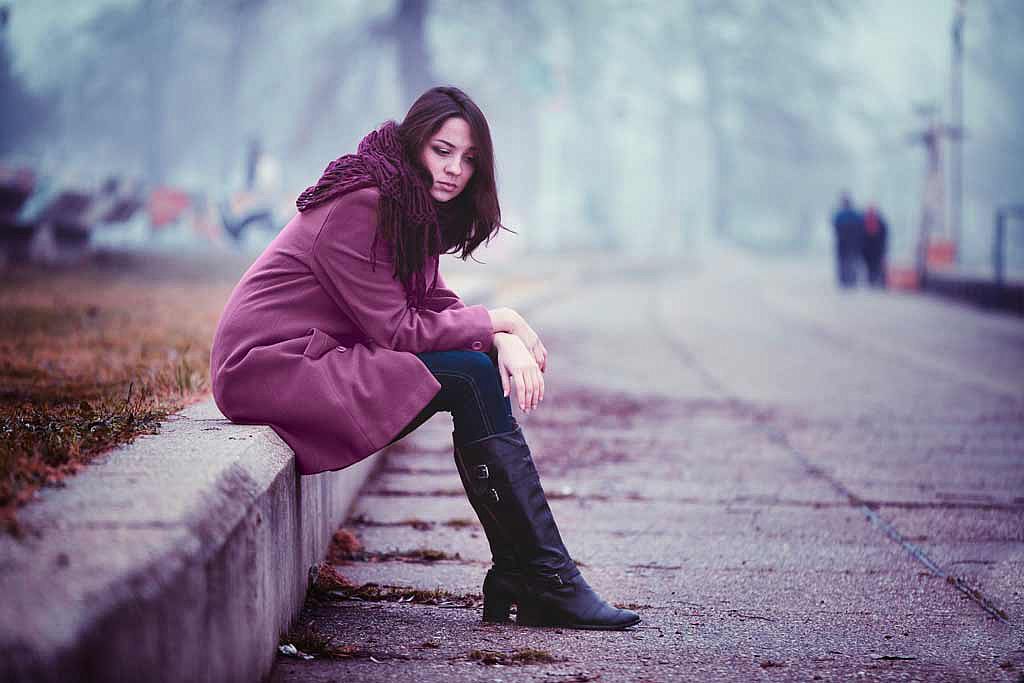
x,y
478,361
474,367
480,368
482,393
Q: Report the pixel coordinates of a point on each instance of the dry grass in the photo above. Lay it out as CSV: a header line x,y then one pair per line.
x,y
520,657
415,523
345,547
307,639
375,592
324,578
93,355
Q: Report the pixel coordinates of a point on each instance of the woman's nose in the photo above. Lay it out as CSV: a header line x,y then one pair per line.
x,y
454,167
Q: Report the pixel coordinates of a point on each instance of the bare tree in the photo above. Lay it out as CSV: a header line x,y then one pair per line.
x,y
995,144
407,31
23,114
242,18
770,104
352,53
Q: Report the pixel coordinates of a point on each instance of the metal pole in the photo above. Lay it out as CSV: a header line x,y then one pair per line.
x,y
956,152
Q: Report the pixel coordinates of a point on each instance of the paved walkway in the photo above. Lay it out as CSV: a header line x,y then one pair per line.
x,y
786,481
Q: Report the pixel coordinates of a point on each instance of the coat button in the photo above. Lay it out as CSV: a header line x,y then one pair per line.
x,y
477,345
341,348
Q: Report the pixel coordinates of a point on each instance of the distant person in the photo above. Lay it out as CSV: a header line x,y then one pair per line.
x,y
876,234
849,228
343,337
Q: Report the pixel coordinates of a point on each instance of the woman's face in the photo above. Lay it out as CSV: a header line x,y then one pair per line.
x,y
450,156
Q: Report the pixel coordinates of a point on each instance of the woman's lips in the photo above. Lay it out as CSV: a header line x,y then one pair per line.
x,y
446,186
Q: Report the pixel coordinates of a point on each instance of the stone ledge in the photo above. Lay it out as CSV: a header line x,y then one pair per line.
x,y
180,557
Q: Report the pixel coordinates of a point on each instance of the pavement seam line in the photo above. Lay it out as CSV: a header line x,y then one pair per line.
x,y
892,532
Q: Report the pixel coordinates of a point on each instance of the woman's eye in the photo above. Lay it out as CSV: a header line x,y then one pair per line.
x,y
471,160
442,151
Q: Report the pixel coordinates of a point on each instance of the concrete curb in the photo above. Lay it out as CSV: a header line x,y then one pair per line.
x,y
180,557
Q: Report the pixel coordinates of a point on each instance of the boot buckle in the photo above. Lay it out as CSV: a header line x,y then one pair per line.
x,y
482,472
552,579
494,495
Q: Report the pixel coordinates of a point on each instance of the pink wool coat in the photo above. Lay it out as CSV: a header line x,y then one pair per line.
x,y
319,346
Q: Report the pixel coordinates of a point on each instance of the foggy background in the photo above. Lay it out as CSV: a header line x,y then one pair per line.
x,y
637,126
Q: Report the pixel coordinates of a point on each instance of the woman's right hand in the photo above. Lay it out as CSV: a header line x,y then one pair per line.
x,y
516,363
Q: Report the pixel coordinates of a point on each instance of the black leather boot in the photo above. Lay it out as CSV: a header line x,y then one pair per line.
x,y
549,591
504,572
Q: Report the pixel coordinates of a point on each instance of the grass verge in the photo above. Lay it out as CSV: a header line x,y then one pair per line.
x,y
92,356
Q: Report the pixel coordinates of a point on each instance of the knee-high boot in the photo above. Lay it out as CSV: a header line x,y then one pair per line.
x,y
504,568
549,590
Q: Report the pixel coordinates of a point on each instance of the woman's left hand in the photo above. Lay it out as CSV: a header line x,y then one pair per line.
x,y
506,320
532,342
516,364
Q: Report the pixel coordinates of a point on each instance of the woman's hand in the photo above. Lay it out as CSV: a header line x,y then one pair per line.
x,y
516,363
507,320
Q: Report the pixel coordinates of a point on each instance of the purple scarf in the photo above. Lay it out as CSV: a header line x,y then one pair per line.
x,y
405,201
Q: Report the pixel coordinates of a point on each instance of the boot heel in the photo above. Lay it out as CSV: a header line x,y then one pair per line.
x,y
498,597
497,609
530,614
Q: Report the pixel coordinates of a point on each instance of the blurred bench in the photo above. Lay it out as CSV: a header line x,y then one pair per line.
x,y
16,186
59,228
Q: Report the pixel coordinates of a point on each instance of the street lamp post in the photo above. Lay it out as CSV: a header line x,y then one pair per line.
x,y
956,138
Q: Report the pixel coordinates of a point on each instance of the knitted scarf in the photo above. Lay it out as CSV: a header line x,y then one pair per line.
x,y
408,217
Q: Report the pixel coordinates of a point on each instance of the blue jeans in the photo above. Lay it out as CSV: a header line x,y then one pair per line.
x,y
471,391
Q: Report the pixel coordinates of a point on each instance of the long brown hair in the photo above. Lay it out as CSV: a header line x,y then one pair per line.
x,y
414,225
474,216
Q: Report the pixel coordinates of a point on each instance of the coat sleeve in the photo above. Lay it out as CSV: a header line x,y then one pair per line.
x,y
374,299
442,298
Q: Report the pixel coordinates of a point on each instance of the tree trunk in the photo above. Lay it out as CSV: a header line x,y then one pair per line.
x,y
715,106
409,34
162,16
243,16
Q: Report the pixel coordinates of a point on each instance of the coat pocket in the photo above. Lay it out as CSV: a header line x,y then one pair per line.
x,y
320,343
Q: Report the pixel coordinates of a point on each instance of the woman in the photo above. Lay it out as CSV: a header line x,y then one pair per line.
x,y
344,338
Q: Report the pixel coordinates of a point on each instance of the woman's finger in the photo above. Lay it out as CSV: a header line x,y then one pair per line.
x,y
525,389
504,381
531,393
521,389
